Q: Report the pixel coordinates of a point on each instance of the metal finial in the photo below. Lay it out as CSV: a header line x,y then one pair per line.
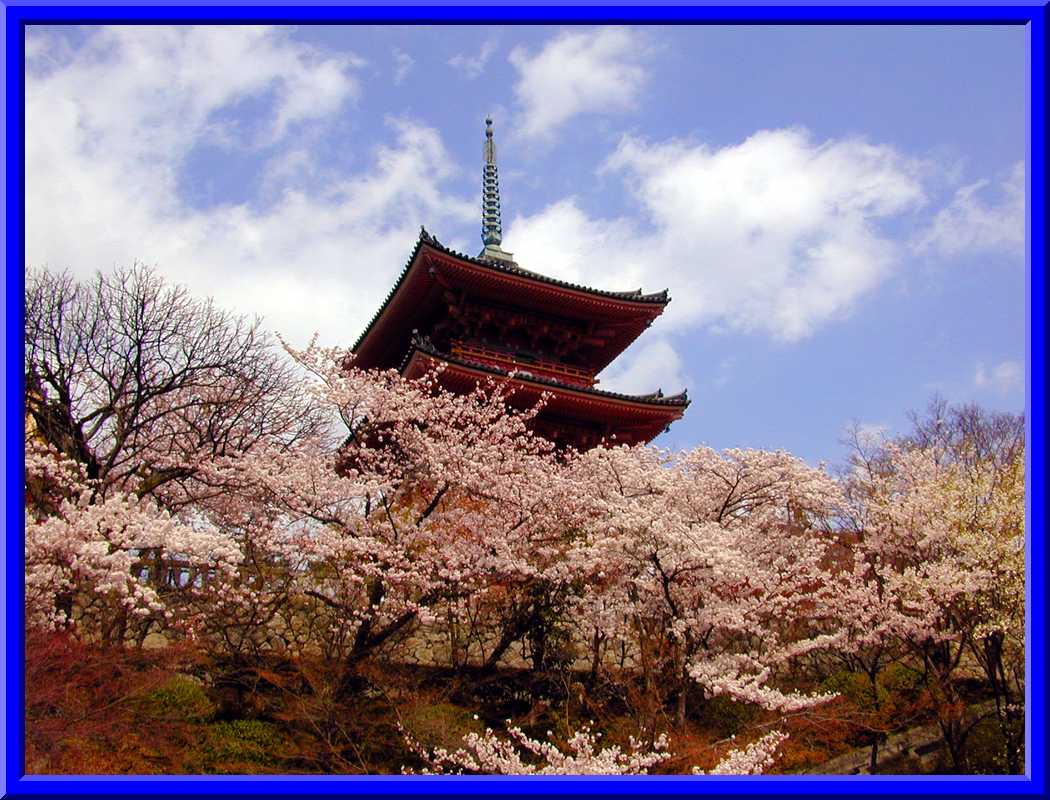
x,y
491,226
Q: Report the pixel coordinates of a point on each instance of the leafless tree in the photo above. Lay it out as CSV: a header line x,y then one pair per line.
x,y
968,434
144,384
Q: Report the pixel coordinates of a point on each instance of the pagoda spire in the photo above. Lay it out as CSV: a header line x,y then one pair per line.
x,y
491,224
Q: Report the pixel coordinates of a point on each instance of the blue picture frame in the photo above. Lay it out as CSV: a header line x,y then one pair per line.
x,y
17,14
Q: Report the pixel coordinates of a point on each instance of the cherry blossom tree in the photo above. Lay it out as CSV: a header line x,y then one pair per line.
x,y
987,451
994,539
147,390
754,759
711,567
870,615
516,753
182,478
83,561
940,570
410,500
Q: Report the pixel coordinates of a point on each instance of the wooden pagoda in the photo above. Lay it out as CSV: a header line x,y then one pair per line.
x,y
486,316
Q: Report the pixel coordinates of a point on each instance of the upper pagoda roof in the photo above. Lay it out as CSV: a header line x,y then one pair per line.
x,y
432,268
512,268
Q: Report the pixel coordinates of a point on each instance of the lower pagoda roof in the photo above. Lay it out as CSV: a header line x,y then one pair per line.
x,y
657,398
629,418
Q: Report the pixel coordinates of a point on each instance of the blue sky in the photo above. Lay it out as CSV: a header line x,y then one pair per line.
x,y
838,212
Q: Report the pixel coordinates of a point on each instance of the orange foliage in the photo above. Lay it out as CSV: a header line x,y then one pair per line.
x,y
80,706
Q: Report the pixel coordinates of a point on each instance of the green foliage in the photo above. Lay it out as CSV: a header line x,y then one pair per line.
x,y
179,699
240,746
900,680
440,724
854,686
727,717
898,686
985,748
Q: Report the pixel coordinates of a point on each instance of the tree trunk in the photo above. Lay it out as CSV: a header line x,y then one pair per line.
x,y
876,736
995,672
680,706
596,656
511,634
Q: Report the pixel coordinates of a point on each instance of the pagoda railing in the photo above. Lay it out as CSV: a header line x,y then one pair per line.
x,y
505,361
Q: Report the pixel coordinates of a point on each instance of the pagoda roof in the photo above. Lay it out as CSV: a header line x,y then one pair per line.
x,y
512,268
388,332
657,398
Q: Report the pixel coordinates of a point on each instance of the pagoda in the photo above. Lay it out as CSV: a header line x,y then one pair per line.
x,y
487,316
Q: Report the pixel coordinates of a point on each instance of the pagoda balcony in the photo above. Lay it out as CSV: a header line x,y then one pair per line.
x,y
564,373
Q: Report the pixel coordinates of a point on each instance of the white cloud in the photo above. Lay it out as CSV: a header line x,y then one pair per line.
x,y
1002,378
108,130
473,66
576,72
777,235
973,223
126,108
648,364
403,63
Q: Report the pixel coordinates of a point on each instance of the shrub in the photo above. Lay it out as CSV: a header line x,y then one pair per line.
x,y
180,699
240,746
725,716
440,724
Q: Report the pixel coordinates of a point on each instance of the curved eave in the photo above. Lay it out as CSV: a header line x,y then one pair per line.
x,y
635,306
671,406
392,293
660,298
